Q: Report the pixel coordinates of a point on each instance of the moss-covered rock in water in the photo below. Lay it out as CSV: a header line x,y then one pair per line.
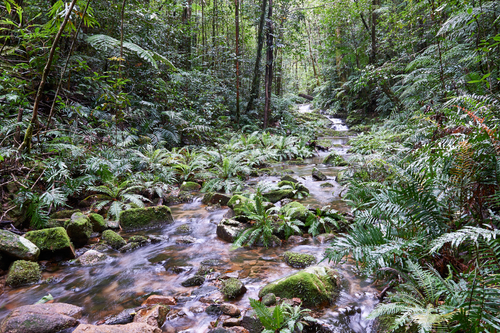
x,y
18,247
142,240
294,186
318,175
52,242
212,198
324,185
23,272
79,229
296,210
276,195
196,280
64,214
237,202
315,286
140,218
298,260
190,186
113,239
183,229
335,160
91,258
232,288
98,222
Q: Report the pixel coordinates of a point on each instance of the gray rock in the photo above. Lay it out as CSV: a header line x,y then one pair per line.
x,y
228,230
129,328
269,299
91,257
196,280
318,175
185,240
129,247
124,317
230,310
18,247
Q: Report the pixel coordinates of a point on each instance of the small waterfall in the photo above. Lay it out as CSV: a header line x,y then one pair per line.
x,y
338,124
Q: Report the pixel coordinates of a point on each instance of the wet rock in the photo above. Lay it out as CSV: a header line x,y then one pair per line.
x,y
213,310
231,322
52,242
324,185
180,269
23,272
232,288
325,237
54,223
41,318
269,299
294,239
160,299
155,239
298,260
91,257
237,203
113,239
79,229
238,329
288,178
204,270
64,214
18,247
140,218
276,195
315,286
296,210
213,262
215,199
318,175
230,310
98,222
129,247
124,317
112,224
196,280
185,240
154,316
204,291
183,229
228,230
335,159
128,328
190,186
251,322
139,239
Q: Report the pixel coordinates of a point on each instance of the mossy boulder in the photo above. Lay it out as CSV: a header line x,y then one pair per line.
x,y
142,240
318,175
91,258
23,272
79,229
237,202
298,260
288,178
98,222
269,299
196,280
64,214
297,210
228,230
294,186
335,159
232,288
54,223
17,247
140,218
52,242
212,198
325,185
315,286
183,229
113,239
276,195
190,186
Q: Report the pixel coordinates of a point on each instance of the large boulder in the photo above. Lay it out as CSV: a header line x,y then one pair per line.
x,y
23,272
17,247
212,198
113,239
41,318
318,175
298,260
190,186
278,194
335,159
52,242
128,328
98,222
79,229
288,178
140,218
232,288
315,286
228,230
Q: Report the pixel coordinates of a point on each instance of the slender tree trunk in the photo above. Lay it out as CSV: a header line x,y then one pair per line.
x,y
29,131
269,64
203,36
313,61
254,93
237,61
186,39
373,51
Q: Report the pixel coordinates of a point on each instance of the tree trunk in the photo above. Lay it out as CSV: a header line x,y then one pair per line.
x,y
373,51
254,93
237,36
269,64
29,131
186,39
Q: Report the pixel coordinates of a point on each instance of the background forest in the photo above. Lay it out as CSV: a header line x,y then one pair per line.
x,y
115,104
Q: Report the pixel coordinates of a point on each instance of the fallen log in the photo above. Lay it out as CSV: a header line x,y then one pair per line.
x,y
308,97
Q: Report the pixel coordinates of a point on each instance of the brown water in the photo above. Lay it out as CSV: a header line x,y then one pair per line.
x,y
126,280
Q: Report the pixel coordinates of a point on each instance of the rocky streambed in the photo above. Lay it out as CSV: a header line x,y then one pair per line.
x,y
181,274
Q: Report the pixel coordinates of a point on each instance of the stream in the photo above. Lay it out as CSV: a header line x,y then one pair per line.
x,y
127,279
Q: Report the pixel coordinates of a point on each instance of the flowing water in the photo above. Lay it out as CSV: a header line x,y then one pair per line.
x,y
126,280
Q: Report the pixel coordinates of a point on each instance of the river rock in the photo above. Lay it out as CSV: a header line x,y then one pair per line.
x,y
294,186
315,286
98,222
160,299
140,218
18,247
296,210
298,260
128,328
288,178
64,214
23,272
269,299
318,175
41,318
79,229
52,242
185,240
154,316
124,317
232,288
335,159
231,322
196,280
230,310
211,198
142,240
237,203
278,194
228,230
251,322
113,239
129,247
91,257
190,186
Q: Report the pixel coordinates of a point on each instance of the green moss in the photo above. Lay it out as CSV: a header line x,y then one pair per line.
x,y
190,186
318,175
298,260
300,211
138,239
79,229
51,240
277,195
145,217
23,272
64,214
232,288
237,202
211,198
326,185
287,178
315,286
113,239
294,185
183,229
335,160
98,222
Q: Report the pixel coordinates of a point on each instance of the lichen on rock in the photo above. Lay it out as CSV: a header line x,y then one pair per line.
x,y
140,218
